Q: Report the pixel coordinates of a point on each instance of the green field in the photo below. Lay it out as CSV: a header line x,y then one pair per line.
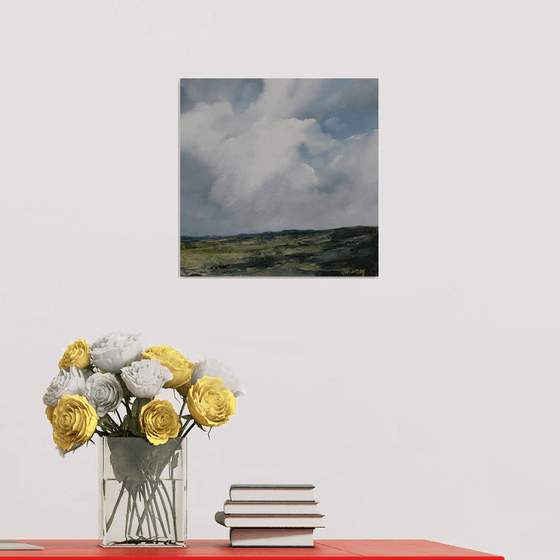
x,y
348,251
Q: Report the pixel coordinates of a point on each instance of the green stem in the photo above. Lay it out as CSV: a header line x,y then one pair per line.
x,y
173,510
116,427
110,522
144,515
158,516
183,406
171,506
140,531
152,512
189,429
147,510
158,482
128,521
181,414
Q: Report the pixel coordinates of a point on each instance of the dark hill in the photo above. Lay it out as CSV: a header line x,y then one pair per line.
x,y
347,251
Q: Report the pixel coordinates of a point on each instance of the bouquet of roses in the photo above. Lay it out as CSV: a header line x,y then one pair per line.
x,y
116,372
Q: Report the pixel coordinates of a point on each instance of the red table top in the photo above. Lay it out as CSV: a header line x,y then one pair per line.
x,y
378,549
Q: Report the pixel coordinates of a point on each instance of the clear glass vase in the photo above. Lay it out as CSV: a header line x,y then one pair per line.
x,y
142,492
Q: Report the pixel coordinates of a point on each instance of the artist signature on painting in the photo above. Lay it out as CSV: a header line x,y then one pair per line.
x,y
353,271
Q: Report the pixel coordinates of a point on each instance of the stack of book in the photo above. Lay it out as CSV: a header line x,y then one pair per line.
x,y
263,515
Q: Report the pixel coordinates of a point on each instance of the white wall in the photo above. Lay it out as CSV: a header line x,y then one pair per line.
x,y
423,403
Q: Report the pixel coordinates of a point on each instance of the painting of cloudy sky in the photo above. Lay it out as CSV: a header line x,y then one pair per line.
x,y
270,155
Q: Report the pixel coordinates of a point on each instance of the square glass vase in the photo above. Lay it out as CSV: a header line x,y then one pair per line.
x,y
142,492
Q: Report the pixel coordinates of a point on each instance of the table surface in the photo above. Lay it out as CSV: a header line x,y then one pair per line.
x,y
377,549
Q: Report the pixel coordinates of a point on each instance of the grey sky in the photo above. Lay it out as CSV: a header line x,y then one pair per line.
x,y
268,155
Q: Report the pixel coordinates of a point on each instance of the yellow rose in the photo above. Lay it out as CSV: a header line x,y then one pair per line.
x,y
49,412
73,420
77,354
159,421
210,403
178,365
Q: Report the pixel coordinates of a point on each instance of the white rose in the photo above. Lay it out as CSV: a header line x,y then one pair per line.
x,y
67,382
104,392
215,368
145,378
112,352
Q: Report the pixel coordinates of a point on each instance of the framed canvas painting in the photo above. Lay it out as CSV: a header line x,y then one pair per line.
x,y
279,177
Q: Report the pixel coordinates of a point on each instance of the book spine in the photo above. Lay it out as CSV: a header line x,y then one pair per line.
x,y
270,521
279,508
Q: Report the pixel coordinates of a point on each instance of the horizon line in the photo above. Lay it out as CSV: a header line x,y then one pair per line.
x,y
276,231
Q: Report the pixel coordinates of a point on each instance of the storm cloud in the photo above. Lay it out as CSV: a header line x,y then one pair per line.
x,y
269,155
